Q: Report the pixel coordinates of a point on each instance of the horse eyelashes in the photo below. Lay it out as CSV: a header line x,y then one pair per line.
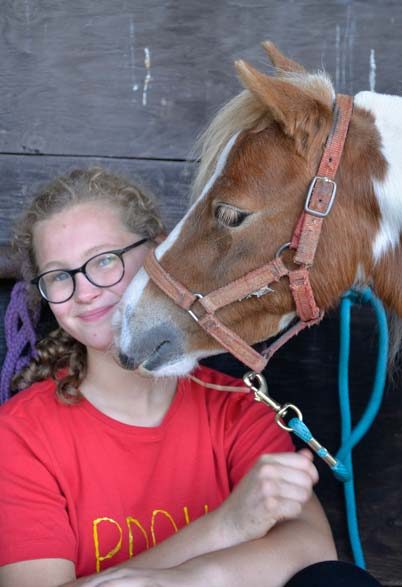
x,y
229,216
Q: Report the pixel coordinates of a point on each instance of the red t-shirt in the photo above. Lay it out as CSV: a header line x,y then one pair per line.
x,y
78,485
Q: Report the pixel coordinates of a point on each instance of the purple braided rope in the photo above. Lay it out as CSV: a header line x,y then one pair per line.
x,y
20,337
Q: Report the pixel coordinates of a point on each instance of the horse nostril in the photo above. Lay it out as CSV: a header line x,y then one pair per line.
x,y
125,361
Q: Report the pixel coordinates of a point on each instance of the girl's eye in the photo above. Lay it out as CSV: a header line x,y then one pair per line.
x,y
230,216
106,260
59,276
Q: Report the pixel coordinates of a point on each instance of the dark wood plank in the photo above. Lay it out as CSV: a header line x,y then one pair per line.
x,y
76,78
5,290
22,176
8,265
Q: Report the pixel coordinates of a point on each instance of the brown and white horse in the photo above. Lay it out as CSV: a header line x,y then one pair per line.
x,y
259,156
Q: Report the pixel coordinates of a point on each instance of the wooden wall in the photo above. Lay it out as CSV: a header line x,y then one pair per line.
x,y
129,84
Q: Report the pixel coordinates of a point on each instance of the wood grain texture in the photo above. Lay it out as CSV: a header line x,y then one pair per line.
x,y
141,79
24,176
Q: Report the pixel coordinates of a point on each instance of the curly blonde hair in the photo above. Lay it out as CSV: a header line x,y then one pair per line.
x,y
59,355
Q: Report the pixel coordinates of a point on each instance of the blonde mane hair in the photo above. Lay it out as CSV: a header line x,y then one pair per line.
x,y
246,112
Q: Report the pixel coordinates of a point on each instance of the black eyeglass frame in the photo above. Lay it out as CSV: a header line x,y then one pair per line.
x,y
72,272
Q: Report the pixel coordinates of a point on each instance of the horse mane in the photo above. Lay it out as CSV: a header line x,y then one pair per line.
x,y
246,112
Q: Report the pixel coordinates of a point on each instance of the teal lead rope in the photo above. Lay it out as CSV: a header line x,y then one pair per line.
x,y
341,472
349,437
341,465
256,382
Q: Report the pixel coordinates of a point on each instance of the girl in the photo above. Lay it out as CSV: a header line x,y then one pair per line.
x,y
99,464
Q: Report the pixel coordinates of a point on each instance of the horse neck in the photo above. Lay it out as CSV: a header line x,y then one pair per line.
x,y
386,247
386,278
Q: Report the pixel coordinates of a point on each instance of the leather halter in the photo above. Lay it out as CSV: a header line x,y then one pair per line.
x,y
318,204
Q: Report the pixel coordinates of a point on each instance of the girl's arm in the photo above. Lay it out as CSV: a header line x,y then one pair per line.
x,y
247,529
248,525
271,560
46,572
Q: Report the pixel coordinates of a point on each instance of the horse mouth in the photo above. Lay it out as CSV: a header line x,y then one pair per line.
x,y
149,363
155,359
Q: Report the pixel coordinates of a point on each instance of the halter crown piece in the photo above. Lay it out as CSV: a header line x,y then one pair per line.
x,y
319,201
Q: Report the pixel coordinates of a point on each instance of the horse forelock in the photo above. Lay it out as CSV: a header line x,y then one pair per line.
x,y
246,112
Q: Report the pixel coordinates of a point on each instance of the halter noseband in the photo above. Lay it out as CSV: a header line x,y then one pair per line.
x,y
320,198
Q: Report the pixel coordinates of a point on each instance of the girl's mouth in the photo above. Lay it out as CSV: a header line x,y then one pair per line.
x,y
96,314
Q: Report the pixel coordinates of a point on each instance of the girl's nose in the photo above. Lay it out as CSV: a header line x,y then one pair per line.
x,y
85,291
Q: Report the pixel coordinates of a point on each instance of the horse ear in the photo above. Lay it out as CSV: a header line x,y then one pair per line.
x,y
279,61
297,111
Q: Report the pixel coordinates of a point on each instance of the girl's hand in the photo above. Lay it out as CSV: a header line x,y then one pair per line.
x,y
274,490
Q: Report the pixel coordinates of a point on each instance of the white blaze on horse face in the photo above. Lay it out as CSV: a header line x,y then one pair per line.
x,y
125,309
387,111
220,166
136,288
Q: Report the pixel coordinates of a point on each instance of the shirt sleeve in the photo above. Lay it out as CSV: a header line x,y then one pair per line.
x,y
34,520
251,431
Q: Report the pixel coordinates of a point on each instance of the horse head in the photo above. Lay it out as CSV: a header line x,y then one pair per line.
x,y
258,158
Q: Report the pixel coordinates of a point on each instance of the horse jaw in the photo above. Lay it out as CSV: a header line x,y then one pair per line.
x,y
155,336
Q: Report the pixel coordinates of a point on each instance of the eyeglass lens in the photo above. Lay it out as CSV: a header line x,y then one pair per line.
x,y
104,270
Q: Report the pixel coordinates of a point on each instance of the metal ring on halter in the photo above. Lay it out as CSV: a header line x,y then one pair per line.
x,y
193,316
282,414
281,249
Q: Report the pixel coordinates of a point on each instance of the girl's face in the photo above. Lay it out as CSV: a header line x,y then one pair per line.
x,y
66,241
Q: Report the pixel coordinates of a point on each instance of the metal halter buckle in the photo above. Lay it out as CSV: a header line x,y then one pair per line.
x,y
311,189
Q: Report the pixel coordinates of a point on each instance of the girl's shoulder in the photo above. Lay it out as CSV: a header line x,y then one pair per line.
x,y
33,416
39,397
220,390
235,416
216,380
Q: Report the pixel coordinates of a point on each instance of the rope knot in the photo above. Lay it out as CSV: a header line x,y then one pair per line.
x,y
20,337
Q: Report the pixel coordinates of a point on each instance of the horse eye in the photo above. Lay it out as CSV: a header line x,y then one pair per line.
x,y
230,216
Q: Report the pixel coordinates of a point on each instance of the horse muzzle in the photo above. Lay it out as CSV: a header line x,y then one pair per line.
x,y
147,347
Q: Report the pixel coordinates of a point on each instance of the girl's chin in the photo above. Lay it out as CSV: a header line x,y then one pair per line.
x,y
98,345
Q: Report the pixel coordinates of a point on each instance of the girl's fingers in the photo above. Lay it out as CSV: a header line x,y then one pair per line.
x,y
306,472
306,452
298,460
284,491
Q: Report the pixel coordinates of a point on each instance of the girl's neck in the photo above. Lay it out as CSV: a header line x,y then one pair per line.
x,y
125,395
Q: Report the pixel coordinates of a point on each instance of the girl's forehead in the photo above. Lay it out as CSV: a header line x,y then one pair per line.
x,y
79,218
72,233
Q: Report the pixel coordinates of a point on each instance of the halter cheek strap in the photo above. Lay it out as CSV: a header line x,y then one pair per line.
x,y
319,201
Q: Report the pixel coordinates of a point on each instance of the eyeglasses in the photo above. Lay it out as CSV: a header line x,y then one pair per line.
x,y
103,270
